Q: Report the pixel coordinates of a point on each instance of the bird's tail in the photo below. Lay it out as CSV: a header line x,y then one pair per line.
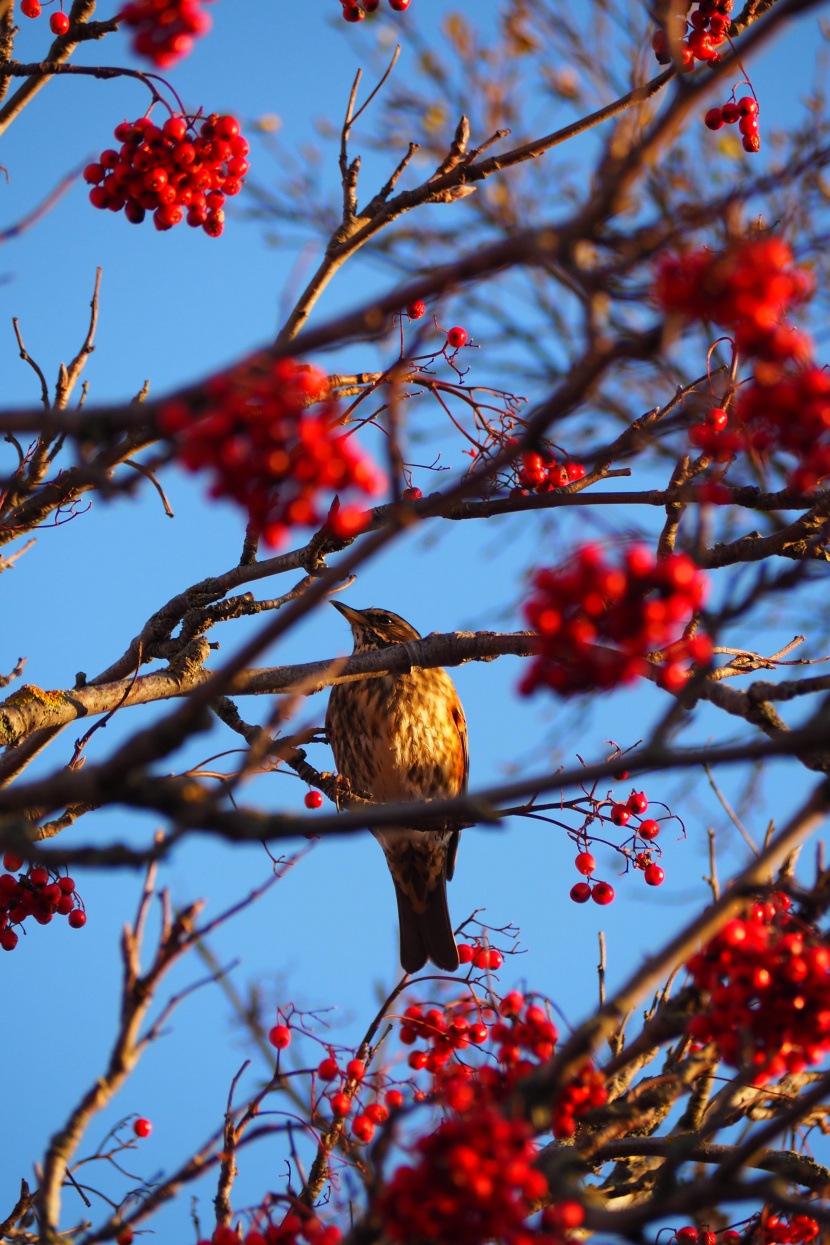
x,y
428,934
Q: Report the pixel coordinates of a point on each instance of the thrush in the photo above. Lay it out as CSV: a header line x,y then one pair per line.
x,y
404,737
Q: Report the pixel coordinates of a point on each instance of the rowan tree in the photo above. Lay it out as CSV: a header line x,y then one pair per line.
x,y
569,416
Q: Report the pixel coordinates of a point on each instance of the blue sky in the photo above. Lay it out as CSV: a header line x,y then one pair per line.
x,y
174,306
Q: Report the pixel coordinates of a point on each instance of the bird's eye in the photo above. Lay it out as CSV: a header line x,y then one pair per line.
x,y
383,619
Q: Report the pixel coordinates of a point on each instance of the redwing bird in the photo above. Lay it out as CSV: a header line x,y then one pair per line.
x,y
404,737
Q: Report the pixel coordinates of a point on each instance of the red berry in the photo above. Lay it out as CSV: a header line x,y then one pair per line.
x,y
142,1127
512,1003
340,1104
353,13
713,119
687,1234
416,310
13,862
466,953
399,5
602,893
411,494
371,5
30,8
457,337
356,1069
393,1099
280,1036
730,112
747,106
751,142
363,1128
125,1236
638,802
39,876
581,893
585,863
377,1112
495,959
59,23
313,799
77,919
620,814
748,124
654,875
648,829
8,939
327,1069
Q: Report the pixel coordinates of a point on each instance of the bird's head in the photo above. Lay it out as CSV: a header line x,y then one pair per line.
x,y
376,628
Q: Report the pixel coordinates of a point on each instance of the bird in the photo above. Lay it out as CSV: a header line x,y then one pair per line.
x,y
404,737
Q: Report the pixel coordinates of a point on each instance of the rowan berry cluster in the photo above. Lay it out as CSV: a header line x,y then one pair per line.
x,y
355,12
175,171
58,22
37,893
748,290
541,473
637,851
299,1224
766,981
586,1090
597,622
792,414
786,405
744,111
516,1037
270,453
480,956
792,1229
165,30
714,438
473,1181
353,1088
694,38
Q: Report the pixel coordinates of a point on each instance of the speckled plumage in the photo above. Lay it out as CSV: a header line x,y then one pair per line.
x,y
404,737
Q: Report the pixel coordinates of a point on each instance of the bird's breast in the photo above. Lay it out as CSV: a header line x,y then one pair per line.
x,y
397,737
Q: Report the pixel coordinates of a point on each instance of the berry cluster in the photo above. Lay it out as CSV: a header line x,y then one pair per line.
x,y
58,23
268,452
697,38
165,30
516,1039
299,1224
597,622
637,852
747,289
355,12
792,414
36,893
586,1090
714,438
745,112
786,405
172,171
473,1181
790,1229
352,1081
767,978
541,473
479,956
765,1229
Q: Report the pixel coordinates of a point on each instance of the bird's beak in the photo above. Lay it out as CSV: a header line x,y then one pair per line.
x,y
349,612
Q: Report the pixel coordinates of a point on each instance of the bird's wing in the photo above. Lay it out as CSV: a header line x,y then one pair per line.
x,y
461,727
